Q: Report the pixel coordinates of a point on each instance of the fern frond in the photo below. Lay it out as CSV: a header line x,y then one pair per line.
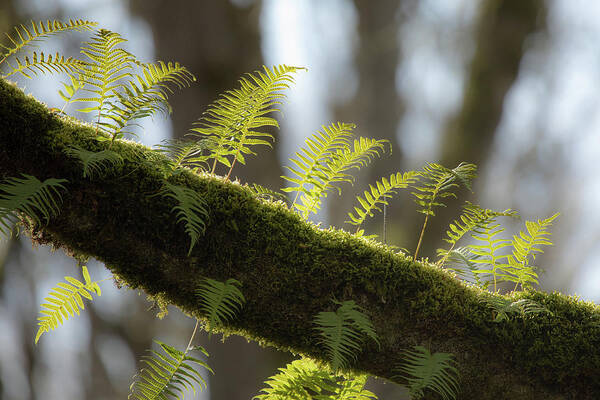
x,y
94,163
64,301
168,374
379,194
505,308
26,35
71,89
186,153
342,333
263,192
191,209
435,372
304,379
490,252
28,195
43,64
220,301
461,260
233,121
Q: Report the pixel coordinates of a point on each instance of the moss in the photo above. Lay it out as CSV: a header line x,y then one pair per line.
x,y
290,269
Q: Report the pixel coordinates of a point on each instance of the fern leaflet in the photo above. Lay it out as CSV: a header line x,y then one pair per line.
x,y
94,162
461,260
43,64
437,183
191,209
233,120
220,301
379,194
504,308
435,372
343,333
64,301
263,192
26,35
185,153
168,374
28,195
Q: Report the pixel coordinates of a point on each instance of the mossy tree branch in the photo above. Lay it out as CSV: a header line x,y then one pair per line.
x,y
291,270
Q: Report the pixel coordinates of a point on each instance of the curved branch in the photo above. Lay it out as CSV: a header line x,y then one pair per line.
x,y
290,269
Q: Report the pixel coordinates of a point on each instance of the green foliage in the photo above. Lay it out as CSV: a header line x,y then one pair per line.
x,y
343,331
94,163
168,374
220,301
191,208
505,308
26,35
326,159
185,154
378,195
43,64
233,121
263,192
462,262
64,301
304,379
28,195
435,372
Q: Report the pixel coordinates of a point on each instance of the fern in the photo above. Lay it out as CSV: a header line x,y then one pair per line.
x,y
43,64
378,195
435,372
437,182
220,301
28,195
168,374
94,163
461,260
491,252
304,379
64,301
71,89
233,121
26,35
263,192
191,209
185,154
504,308
342,333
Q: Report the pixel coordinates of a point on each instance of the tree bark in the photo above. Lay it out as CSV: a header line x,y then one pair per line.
x,y
291,269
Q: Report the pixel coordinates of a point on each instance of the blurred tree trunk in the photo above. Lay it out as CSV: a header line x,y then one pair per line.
x,y
218,42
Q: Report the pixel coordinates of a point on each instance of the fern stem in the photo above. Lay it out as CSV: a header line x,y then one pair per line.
x,y
231,169
421,237
193,334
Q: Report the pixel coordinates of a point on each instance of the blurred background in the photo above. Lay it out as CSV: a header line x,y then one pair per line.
x,y
509,85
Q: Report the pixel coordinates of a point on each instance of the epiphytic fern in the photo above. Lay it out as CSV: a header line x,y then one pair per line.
x,y
185,154
378,195
263,192
472,218
435,372
94,163
25,35
462,262
41,63
304,379
64,301
436,183
28,195
220,301
191,209
327,161
504,308
343,331
168,374
233,121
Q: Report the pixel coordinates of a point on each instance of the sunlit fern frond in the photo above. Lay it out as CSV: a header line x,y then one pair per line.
x,y
169,374
64,301
425,371
437,182
504,308
319,148
234,121
461,261
304,379
491,252
107,64
263,192
191,208
473,218
41,63
71,89
28,195
95,163
378,195
186,153
343,332
25,35
220,301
